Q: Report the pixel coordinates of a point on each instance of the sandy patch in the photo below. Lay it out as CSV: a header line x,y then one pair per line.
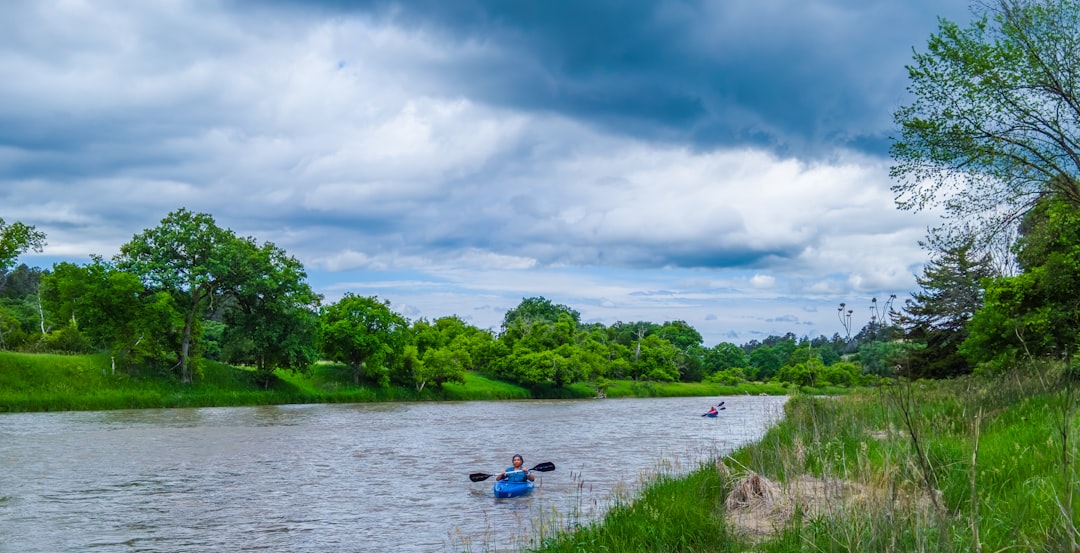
x,y
758,507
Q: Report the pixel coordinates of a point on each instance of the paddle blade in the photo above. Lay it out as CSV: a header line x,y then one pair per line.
x,y
479,476
544,467
721,404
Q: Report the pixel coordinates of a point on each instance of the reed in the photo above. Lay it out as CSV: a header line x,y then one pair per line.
x,y
670,514
971,465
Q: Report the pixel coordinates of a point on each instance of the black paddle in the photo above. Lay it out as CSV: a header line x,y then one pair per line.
x,y
542,467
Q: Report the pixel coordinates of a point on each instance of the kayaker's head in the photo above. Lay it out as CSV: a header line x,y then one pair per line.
x,y
518,461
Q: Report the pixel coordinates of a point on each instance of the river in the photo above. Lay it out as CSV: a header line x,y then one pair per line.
x,y
356,477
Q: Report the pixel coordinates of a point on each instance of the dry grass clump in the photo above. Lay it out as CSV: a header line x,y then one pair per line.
x,y
758,507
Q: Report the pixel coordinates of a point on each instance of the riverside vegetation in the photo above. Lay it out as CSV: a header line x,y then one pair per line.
x,y
54,382
971,464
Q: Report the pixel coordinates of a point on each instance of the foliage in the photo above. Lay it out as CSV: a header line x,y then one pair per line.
x,y
445,350
1036,313
273,320
114,312
20,282
995,116
365,334
937,316
723,356
537,310
189,257
17,238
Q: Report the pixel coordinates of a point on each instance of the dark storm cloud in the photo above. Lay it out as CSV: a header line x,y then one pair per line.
x,y
644,160
798,77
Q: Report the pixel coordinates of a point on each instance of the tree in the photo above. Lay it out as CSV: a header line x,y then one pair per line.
x,y
1036,313
365,334
537,309
995,119
113,310
724,356
680,334
443,351
656,359
272,321
189,256
442,365
16,239
21,312
938,315
766,362
20,282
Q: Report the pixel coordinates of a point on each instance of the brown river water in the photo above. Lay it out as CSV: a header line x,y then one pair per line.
x,y
357,477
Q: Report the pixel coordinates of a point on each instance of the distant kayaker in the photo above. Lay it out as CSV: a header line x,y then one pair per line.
x,y
516,473
713,411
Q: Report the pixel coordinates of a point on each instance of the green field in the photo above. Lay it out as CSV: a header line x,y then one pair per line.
x,y
46,382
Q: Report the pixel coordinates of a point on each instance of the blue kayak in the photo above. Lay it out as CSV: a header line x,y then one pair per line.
x,y
512,489
711,414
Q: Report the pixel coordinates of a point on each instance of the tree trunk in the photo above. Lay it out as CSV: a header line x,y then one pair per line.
x,y
185,345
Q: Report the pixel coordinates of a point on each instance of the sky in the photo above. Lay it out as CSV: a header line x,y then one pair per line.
x,y
723,163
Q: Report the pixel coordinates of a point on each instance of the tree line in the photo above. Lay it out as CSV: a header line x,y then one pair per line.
x,y
189,289
991,137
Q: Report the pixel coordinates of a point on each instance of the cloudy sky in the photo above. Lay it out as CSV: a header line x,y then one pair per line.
x,y
720,162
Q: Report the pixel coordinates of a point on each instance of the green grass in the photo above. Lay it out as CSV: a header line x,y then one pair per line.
x,y
1018,492
43,382
634,388
670,515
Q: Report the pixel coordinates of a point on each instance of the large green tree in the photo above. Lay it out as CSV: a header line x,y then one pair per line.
x,y
995,118
937,316
444,351
1036,313
189,256
724,356
365,334
17,238
272,319
536,310
114,311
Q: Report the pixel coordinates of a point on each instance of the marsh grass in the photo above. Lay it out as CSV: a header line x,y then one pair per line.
x,y
671,513
963,465
968,465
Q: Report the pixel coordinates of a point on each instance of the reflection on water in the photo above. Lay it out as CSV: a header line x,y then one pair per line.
x,y
360,477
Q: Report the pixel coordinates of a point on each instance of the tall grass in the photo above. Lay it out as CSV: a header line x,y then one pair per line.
x,y
671,514
963,465
968,465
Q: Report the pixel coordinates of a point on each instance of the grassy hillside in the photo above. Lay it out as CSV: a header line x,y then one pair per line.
x,y
38,382
46,382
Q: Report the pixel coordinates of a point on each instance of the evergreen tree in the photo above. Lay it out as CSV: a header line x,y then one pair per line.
x,y
937,316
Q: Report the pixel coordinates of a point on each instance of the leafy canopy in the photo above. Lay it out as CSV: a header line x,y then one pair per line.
x,y
995,118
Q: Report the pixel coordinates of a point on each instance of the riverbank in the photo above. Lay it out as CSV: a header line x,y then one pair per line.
x,y
47,382
963,465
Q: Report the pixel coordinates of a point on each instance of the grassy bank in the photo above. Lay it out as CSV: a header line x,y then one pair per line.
x,y
964,465
44,382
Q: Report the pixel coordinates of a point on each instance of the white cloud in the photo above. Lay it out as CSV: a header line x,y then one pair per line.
x,y
353,143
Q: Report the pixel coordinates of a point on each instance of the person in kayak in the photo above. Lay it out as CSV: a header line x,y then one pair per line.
x,y
516,473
